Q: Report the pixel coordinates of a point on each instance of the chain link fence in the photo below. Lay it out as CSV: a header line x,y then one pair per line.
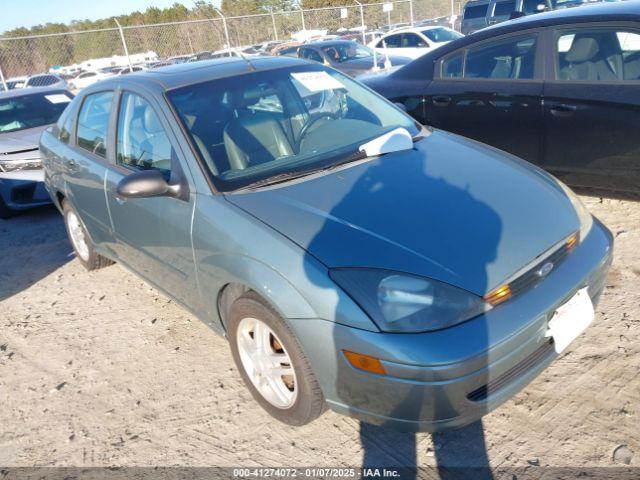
x,y
71,52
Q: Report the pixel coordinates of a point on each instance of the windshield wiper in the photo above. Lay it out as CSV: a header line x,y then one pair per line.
x,y
287,176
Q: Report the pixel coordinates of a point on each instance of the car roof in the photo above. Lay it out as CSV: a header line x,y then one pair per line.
x,y
183,74
414,29
21,92
624,11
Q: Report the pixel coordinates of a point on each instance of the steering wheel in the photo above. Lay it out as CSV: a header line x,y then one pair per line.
x,y
312,121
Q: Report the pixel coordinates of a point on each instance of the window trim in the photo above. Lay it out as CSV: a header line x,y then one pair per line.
x,y
76,123
554,34
538,69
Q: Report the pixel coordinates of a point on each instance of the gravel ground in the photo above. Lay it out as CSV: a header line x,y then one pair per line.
x,y
99,369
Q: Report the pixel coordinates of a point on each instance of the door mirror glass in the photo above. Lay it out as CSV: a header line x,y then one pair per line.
x,y
146,184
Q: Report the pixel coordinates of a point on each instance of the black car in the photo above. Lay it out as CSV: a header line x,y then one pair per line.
x,y
560,89
347,56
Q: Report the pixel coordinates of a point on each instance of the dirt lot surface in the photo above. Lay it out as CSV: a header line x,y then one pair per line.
x,y
99,369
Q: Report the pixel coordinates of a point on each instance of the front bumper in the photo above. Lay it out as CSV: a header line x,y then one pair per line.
x,y
454,376
23,189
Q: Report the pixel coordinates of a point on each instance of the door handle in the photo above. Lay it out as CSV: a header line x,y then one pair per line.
x,y
70,165
441,100
563,110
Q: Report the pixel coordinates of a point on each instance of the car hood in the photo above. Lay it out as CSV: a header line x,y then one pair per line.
x,y
20,142
450,209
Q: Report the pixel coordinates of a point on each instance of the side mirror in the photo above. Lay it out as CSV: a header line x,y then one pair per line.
x,y
147,183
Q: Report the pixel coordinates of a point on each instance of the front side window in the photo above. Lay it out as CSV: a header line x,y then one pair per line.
x,y
599,54
505,59
93,123
142,143
253,127
31,111
504,8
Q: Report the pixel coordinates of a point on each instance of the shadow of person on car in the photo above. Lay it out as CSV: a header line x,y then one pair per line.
x,y
395,205
33,244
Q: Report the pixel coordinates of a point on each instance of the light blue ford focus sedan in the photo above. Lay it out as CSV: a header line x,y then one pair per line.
x,y
354,259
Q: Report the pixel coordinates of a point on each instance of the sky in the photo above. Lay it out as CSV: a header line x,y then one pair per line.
x,y
27,13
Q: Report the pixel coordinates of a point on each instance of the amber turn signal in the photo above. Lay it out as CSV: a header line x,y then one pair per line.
x,y
499,295
572,241
365,362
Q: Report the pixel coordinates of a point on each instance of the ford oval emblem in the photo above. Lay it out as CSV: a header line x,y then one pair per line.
x,y
544,270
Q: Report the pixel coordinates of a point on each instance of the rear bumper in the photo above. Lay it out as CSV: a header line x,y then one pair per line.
x,y
454,376
24,189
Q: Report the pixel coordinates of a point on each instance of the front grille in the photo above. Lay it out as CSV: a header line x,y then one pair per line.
x,y
512,374
531,277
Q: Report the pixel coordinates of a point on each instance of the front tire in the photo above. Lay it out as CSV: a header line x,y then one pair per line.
x,y
80,240
272,363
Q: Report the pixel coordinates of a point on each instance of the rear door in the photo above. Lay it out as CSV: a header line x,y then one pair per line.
x,y
592,105
491,91
153,234
85,164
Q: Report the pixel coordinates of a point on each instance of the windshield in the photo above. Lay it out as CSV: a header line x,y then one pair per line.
x,y
345,52
263,124
30,111
441,34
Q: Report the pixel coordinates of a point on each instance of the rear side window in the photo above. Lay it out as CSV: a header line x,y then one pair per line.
x,y
504,8
452,67
392,41
598,54
475,11
310,54
93,123
142,143
506,59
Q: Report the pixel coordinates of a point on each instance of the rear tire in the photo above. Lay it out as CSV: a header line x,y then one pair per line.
x,y
80,240
298,399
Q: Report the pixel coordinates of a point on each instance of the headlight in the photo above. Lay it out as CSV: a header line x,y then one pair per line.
x,y
586,220
17,165
398,302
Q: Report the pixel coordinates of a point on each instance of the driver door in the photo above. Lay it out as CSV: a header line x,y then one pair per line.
x,y
153,235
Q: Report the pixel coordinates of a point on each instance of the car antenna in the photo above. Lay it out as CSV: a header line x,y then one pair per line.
x,y
252,68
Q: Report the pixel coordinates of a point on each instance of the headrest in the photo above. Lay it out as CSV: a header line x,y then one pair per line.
x,y
252,96
151,122
582,49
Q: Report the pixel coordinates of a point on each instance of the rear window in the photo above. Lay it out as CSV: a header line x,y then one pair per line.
x,y
30,111
504,8
475,11
441,34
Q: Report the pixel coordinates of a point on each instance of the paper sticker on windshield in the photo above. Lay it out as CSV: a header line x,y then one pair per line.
x,y
58,98
317,81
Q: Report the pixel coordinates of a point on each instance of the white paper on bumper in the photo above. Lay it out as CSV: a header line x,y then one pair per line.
x,y
570,320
